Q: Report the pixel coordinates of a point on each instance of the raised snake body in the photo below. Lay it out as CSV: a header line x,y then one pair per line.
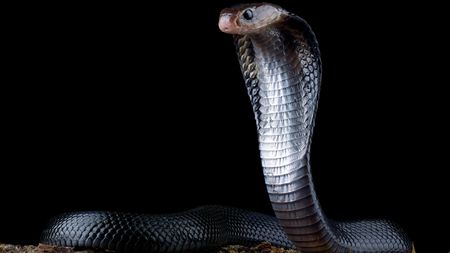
x,y
281,66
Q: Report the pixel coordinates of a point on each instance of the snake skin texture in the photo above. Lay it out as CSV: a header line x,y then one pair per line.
x,y
202,228
281,66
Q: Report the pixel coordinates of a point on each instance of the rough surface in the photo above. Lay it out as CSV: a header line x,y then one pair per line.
x,y
43,248
261,248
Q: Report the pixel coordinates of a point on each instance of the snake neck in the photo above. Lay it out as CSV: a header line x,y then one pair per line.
x,y
285,101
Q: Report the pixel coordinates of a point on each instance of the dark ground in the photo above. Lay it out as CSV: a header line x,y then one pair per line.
x,y
110,106
41,248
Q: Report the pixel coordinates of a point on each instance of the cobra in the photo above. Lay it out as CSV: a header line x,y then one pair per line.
x,y
280,61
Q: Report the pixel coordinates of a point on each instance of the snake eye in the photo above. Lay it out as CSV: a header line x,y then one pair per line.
x,y
248,14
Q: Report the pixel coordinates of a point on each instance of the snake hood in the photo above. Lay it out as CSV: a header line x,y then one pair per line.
x,y
280,62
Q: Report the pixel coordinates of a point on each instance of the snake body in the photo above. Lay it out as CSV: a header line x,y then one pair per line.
x,y
281,66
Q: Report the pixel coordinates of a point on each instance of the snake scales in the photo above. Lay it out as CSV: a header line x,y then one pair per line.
x,y
280,62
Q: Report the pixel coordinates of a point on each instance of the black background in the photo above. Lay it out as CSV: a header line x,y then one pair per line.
x,y
142,108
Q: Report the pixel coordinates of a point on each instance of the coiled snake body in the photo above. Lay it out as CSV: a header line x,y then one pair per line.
x,y
281,66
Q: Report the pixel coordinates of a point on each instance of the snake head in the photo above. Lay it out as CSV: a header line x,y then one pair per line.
x,y
250,18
